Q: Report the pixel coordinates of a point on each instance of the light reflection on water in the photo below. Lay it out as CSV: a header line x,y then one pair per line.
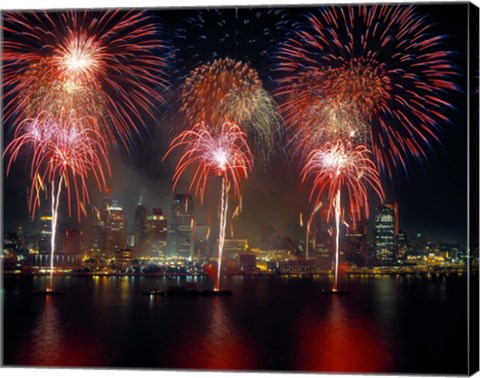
x,y
340,342
387,324
47,335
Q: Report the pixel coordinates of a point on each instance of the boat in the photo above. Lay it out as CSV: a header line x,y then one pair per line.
x,y
183,291
155,292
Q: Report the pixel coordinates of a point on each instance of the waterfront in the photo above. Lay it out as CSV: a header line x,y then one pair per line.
x,y
401,324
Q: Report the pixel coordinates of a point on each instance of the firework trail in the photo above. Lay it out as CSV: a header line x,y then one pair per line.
x,y
108,65
66,151
222,151
232,90
380,63
339,168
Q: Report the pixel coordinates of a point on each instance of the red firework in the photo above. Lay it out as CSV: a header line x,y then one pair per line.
x,y
383,64
337,168
106,64
341,168
229,89
222,151
66,151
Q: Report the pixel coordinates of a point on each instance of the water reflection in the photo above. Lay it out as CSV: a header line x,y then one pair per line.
x,y
48,335
337,341
219,345
231,346
397,324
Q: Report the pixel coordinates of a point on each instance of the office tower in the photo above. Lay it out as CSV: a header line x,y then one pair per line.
x,y
322,240
44,240
94,239
155,234
356,248
202,242
115,229
233,248
402,245
181,226
418,245
386,230
123,258
140,217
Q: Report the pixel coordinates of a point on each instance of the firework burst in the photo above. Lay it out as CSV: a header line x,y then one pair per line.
x,y
379,61
229,89
220,151
66,148
339,169
103,64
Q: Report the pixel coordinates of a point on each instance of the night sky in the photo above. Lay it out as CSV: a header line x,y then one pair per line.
x,y
432,196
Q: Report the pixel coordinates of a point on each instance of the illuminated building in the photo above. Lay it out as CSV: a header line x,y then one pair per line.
x,y
94,239
140,216
202,242
322,241
355,247
386,230
232,248
402,245
155,234
115,229
44,240
418,245
123,258
294,266
60,261
180,242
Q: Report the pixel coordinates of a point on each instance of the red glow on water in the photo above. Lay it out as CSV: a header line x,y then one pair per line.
x,y
218,347
340,342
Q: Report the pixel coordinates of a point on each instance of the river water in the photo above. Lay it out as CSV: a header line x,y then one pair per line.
x,y
386,324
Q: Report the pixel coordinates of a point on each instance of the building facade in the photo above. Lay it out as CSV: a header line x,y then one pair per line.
x,y
115,230
45,237
155,234
181,227
386,231
140,218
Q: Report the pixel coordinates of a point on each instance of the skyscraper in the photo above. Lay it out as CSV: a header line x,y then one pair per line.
x,y
181,242
140,217
201,241
94,239
402,245
155,233
386,230
356,249
115,229
44,240
323,240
